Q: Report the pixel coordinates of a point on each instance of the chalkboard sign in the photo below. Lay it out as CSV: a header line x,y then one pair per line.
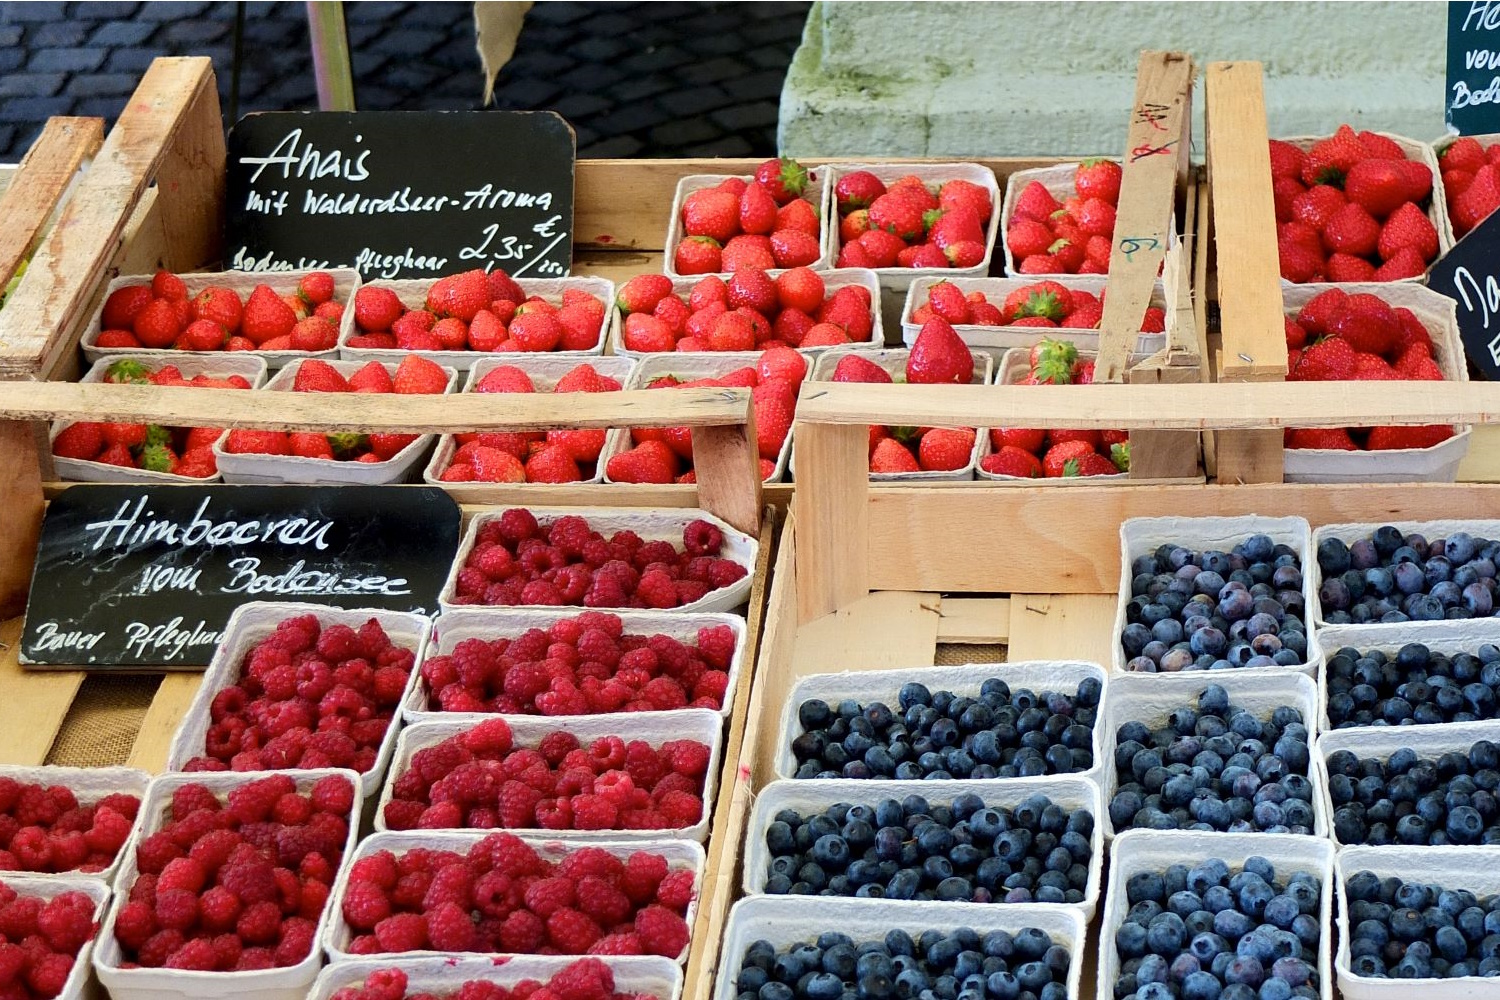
x,y
1472,106
1470,274
402,194
148,576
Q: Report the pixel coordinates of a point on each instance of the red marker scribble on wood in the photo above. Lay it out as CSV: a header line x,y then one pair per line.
x,y
605,238
1145,149
744,772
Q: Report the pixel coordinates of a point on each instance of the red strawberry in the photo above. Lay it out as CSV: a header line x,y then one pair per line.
x,y
166,285
318,376
1298,262
783,178
1028,237
711,212
1369,368
220,305
1035,202
552,464
1416,363
1296,336
857,189
505,288
267,316
1352,230
157,324
1406,263
775,407
1320,311
82,440
898,213
1317,205
1412,332
1326,438
1367,324
1058,457
459,296
1345,267
967,194
697,255
417,375
1286,160
314,334
1098,178
948,301
794,248
749,251
1330,360
1418,179
1091,464
799,288
1330,159
757,211
857,368
205,335
943,449
1464,154
1284,193
939,356
956,225
1395,438
799,215
965,253
1409,228
1378,186
373,377
891,457
1012,461
123,305
305,444
641,293
247,442
647,462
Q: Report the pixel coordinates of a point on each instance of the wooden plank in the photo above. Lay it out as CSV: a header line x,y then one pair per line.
x,y
1232,406
726,460
35,702
190,183
887,630
168,708
41,179
1072,536
73,259
1062,627
412,414
1200,294
1482,463
773,663
1160,124
778,495
974,620
21,500
832,474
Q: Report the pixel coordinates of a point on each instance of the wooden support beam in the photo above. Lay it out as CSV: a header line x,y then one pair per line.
x,y
42,177
726,461
832,507
35,702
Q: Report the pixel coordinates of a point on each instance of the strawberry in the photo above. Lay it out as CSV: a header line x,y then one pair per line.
x,y
376,308
1325,438
220,305
1416,364
203,335
1296,335
1028,237
1286,160
314,334
123,305
1405,263
197,464
895,212
128,373
800,216
948,302
1284,194
857,368
1395,438
883,246
857,189
641,293
372,378
775,402
1367,324
1370,368
1317,205
157,324
1329,360
939,356
967,194
711,212
417,375
891,457
536,330
781,363
305,444
248,442
318,376
1330,159
1035,202
491,465
1012,461
1098,178
1091,464
505,378
1412,332
1055,462
1298,263
1351,230
1378,186
1345,267
552,464
459,296
485,332
757,211
1408,227
166,285
266,317
1320,311
647,334
783,178
794,248
1418,180
697,255
964,253
943,449
1464,154
82,440
647,462
955,225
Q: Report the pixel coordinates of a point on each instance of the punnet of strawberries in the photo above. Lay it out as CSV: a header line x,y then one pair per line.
x,y
555,456
178,451
1471,182
1043,304
518,561
481,779
160,315
413,376
236,881
585,979
42,939
1338,336
1032,453
1072,236
307,696
1351,208
750,310
937,357
44,828
763,221
665,454
909,223
584,665
475,311
502,897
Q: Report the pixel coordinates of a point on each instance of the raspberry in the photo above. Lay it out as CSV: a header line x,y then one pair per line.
x,y
383,984
32,849
661,931
724,573
182,873
522,933
642,763
379,868
259,923
453,883
255,959
192,797
681,808
676,890
700,538
664,694
49,974
253,881
716,644
643,873
109,831
555,814
337,643
333,794
618,944
365,905
134,924
517,525
490,739
176,909
311,899
601,900
67,922
594,812
546,896
590,979
401,815
18,917
556,745
656,590
402,932
253,802
449,928
296,941
12,963
571,932
227,951
495,894
197,955
591,861
686,757
125,804
410,890
218,909
153,954
711,688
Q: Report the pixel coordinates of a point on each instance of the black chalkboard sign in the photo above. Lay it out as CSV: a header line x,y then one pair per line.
x,y
1472,106
148,576
1470,274
401,194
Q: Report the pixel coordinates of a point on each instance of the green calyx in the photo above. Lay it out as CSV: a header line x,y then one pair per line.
x,y
157,435
906,435
347,444
1120,455
1061,352
1044,304
1070,467
1059,245
156,457
128,373
1052,371
793,175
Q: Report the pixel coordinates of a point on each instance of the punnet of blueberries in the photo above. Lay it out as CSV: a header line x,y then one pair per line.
x,y
1407,799
1390,577
1418,930
1214,767
1210,933
1415,687
966,852
997,965
1000,733
1214,610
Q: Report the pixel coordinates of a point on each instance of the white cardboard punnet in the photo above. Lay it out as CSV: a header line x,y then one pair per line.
x,y
444,975
79,984
815,193
88,785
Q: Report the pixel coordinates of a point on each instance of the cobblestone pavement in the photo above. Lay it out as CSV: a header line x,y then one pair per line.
x,y
635,79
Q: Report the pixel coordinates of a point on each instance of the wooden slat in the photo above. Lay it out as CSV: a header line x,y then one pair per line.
x,y
168,708
412,414
773,663
726,461
917,539
72,260
34,703
1062,627
40,181
974,620
21,500
1482,463
832,474
190,182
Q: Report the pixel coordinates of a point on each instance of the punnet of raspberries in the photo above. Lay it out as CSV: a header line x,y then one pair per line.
x,y
501,896
750,310
665,454
555,456
1031,453
1338,336
40,940
160,315
180,451
910,224
937,357
585,979
1072,236
474,311
1471,182
587,665
44,828
762,221
517,560
480,779
308,696
1043,304
236,883
413,376
1352,208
